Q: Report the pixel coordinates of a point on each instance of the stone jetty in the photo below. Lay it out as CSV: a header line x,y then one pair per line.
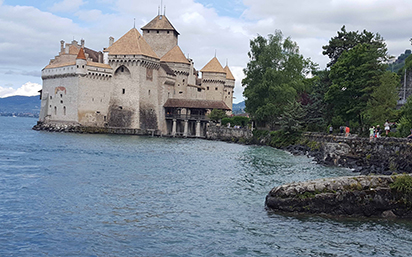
x,y
369,196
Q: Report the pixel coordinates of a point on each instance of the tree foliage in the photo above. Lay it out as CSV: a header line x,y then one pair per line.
x,y
382,103
345,41
355,76
216,115
405,122
274,76
317,111
291,119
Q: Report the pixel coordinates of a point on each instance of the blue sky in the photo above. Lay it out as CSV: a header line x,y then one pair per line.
x,y
31,30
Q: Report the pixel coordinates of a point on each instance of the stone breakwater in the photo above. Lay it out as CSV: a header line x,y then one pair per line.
x,y
74,128
370,196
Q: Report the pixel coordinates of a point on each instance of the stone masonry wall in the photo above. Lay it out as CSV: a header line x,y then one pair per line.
x,y
228,134
380,156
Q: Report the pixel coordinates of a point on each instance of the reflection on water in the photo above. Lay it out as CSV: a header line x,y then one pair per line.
x,y
107,195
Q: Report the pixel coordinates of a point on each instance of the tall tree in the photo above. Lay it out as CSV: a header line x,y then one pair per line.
x,y
345,41
354,77
274,76
317,110
382,103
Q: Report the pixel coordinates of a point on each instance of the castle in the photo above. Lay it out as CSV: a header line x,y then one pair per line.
x,y
141,81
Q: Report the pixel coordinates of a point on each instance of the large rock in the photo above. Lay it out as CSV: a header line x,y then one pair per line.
x,y
343,196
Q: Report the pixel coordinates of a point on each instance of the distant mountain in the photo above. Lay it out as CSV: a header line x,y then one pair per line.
x,y
20,106
238,108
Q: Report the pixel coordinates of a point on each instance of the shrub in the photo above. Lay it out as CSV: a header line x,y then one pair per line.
x,y
402,184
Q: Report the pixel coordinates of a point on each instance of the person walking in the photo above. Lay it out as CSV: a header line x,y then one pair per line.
x,y
387,127
378,131
347,130
330,129
371,133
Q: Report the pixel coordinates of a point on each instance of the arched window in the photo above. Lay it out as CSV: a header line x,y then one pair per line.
x,y
55,110
64,110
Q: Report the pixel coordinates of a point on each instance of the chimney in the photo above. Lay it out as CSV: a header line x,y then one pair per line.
x,y
62,46
82,43
111,40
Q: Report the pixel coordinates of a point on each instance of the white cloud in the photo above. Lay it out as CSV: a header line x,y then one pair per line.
x,y
67,6
28,89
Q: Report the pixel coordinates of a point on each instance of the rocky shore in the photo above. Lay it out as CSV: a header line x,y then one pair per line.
x,y
384,156
368,196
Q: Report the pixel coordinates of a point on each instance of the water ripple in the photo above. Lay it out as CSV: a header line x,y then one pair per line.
x,y
106,195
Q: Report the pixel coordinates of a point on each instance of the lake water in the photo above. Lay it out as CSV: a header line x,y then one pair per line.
x,y
67,194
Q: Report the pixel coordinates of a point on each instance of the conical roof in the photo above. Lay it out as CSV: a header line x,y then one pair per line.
x,y
81,55
213,66
175,55
160,22
229,74
131,43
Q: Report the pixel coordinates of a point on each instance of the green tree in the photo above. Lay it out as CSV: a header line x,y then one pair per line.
x,y
317,110
345,41
405,121
216,115
354,77
382,103
291,119
275,75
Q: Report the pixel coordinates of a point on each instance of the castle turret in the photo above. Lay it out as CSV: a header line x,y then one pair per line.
x,y
229,87
213,80
81,62
160,35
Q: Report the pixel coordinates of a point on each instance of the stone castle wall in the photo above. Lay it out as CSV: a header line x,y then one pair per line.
x,y
381,155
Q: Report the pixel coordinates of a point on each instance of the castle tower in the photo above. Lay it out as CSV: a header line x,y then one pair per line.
x,y
81,62
134,100
160,35
177,61
229,87
213,80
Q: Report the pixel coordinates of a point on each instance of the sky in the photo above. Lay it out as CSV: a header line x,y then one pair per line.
x,y
31,30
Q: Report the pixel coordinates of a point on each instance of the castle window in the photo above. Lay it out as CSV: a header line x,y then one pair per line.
x,y
149,92
123,91
50,97
55,110
157,32
178,85
215,88
149,74
61,95
122,69
104,118
228,93
167,32
207,88
92,99
97,112
199,90
64,110
180,92
120,108
61,101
